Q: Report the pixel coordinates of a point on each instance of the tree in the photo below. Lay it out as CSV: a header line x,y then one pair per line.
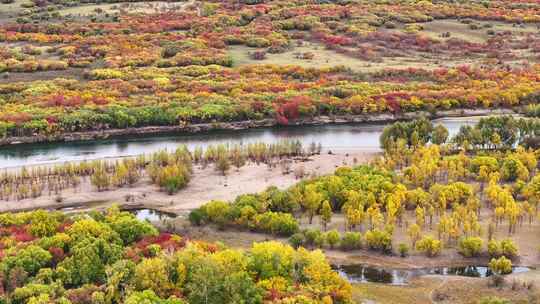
x,y
312,201
379,240
332,237
119,276
326,214
501,265
403,250
149,297
130,229
89,257
153,274
271,259
43,223
100,179
296,240
414,232
470,246
30,259
351,241
430,246
217,212
223,164
440,134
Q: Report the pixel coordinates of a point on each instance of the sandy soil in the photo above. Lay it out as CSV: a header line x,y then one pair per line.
x,y
205,185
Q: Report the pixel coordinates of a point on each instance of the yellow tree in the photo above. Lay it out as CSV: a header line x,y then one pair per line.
x,y
414,232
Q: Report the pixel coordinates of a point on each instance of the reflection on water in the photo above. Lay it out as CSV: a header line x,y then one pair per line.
x,y
362,137
152,215
364,274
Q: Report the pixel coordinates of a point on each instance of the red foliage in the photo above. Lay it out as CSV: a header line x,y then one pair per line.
x,y
58,254
287,110
164,240
21,234
17,118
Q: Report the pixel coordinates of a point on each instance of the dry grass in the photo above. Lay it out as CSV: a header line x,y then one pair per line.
x,y
328,58
417,292
460,30
455,290
136,7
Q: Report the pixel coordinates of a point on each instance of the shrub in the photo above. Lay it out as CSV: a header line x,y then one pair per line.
x,y
494,249
509,248
172,178
275,222
351,241
430,246
296,240
470,246
403,250
332,237
493,300
379,240
196,217
320,240
217,212
501,265
505,247
311,235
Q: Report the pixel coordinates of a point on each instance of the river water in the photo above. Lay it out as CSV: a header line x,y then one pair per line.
x,y
367,274
359,137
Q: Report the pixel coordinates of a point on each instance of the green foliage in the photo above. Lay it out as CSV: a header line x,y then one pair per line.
x,y
43,223
30,259
501,265
505,248
493,300
351,241
129,228
470,246
88,260
333,238
414,133
296,240
153,274
430,246
149,297
379,240
403,250
110,258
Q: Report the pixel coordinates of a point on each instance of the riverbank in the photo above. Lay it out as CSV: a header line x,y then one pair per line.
x,y
249,124
206,185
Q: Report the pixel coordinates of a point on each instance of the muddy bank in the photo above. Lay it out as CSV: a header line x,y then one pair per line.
x,y
250,124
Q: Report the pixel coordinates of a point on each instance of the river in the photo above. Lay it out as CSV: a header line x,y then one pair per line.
x,y
359,137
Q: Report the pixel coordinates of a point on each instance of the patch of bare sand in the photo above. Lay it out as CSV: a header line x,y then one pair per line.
x,y
206,184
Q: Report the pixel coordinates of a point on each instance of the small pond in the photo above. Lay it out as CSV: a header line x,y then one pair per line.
x,y
152,215
364,274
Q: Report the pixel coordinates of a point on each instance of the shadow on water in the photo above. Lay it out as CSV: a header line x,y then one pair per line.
x,y
365,274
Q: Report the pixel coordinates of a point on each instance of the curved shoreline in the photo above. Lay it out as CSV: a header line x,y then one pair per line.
x,y
250,124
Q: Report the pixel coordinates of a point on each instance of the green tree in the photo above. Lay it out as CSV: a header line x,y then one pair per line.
x,y
430,246
332,237
326,214
470,246
31,259
501,265
440,134
153,274
312,201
